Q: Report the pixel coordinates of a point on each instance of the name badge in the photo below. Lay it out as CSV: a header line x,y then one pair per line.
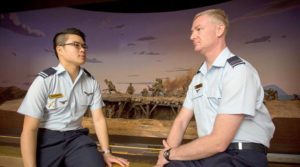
x,y
198,86
56,96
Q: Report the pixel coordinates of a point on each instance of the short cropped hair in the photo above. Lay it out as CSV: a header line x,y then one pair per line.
x,y
60,38
217,14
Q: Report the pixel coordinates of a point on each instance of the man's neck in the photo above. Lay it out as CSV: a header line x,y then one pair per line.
x,y
210,56
73,70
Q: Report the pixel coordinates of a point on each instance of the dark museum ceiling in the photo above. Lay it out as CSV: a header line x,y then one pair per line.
x,y
120,6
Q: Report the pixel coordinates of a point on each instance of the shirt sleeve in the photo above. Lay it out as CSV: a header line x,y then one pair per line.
x,y
239,91
97,101
35,100
188,103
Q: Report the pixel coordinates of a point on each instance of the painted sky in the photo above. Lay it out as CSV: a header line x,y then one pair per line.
x,y
140,47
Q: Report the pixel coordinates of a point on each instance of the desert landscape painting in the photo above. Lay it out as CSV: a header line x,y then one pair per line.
x,y
144,63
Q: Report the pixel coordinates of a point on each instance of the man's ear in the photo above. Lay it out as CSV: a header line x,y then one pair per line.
x,y
58,49
220,30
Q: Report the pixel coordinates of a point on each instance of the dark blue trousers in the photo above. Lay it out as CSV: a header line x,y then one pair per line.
x,y
67,149
230,158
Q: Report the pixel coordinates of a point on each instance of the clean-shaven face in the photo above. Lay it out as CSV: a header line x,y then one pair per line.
x,y
203,33
74,50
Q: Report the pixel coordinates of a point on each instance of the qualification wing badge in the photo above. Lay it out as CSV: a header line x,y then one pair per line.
x,y
198,87
88,94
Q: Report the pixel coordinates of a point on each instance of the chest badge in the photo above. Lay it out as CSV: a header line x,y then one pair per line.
x,y
198,87
88,94
56,96
63,102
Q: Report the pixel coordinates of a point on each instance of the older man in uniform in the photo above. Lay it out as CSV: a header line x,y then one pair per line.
x,y
54,107
226,98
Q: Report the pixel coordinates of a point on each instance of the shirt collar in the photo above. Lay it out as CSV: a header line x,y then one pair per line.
x,y
60,69
219,62
222,58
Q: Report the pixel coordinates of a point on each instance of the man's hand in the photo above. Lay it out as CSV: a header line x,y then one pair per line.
x,y
161,159
110,159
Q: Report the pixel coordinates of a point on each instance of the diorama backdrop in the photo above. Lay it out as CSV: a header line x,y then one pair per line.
x,y
140,47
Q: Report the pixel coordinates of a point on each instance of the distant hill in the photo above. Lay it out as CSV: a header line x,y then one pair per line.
x,y
282,95
10,93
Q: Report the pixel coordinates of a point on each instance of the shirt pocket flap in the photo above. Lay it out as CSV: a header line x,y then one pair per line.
x,y
197,93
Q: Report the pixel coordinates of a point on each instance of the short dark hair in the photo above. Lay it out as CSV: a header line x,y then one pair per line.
x,y
217,14
60,37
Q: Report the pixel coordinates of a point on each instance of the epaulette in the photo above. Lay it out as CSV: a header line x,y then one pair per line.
x,y
88,73
234,61
46,73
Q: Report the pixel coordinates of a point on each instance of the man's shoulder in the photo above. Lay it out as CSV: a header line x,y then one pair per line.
x,y
88,73
47,72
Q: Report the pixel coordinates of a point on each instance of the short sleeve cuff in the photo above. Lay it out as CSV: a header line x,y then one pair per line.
x,y
97,106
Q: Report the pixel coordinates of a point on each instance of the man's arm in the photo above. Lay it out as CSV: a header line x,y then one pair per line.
x,y
179,127
102,134
176,134
225,128
29,141
100,128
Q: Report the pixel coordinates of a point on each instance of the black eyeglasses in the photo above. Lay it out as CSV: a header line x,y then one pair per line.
x,y
76,44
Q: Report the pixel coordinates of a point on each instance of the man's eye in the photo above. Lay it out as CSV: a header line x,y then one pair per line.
x,y
77,44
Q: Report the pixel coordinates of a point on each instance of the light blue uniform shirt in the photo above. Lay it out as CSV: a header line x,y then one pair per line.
x,y
58,102
230,88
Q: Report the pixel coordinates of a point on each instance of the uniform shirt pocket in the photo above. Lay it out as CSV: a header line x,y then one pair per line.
x,y
85,100
214,97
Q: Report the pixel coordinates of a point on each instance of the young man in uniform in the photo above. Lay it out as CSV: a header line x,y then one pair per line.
x,y
226,99
54,107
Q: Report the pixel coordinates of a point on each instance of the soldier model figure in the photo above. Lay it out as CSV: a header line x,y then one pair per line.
x,y
145,92
111,86
157,88
130,90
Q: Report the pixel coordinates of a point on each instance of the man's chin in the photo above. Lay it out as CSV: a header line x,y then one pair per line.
x,y
82,62
197,49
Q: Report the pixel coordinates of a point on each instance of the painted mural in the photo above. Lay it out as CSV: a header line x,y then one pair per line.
x,y
139,48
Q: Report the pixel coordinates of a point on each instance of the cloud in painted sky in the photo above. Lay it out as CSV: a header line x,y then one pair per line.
x,y
12,22
179,70
147,53
131,44
13,53
93,60
120,26
147,38
260,39
48,50
133,75
153,53
271,8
